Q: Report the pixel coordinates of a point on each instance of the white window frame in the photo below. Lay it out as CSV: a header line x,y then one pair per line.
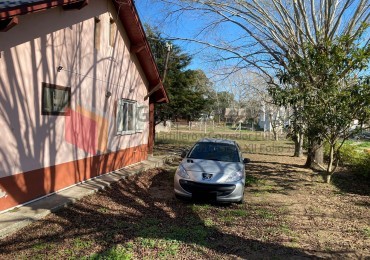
x,y
122,114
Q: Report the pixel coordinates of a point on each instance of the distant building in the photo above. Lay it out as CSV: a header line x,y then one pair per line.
x,y
234,115
270,113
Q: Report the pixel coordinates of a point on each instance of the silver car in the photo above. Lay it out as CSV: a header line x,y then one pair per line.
x,y
212,168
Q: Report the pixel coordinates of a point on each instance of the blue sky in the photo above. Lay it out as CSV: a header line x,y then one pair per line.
x,y
151,13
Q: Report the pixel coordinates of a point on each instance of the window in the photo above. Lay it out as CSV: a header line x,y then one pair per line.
x,y
112,32
56,100
141,117
215,151
126,117
97,28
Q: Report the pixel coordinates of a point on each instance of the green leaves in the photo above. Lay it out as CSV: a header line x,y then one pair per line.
x,y
330,82
190,91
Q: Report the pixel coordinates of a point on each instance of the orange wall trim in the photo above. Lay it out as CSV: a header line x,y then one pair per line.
x,y
27,186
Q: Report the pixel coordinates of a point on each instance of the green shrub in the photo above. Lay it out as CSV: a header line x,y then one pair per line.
x,y
358,161
348,154
362,164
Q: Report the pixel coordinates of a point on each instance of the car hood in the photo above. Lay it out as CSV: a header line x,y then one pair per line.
x,y
219,170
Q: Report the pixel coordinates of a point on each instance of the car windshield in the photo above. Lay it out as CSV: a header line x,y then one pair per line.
x,y
215,151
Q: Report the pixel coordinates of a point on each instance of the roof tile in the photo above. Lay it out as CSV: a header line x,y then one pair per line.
x,y
11,4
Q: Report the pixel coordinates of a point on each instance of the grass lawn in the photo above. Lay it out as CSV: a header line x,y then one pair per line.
x,y
289,213
359,145
249,142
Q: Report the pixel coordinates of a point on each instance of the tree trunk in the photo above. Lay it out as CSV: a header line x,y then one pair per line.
x,y
328,178
274,130
315,154
330,164
276,138
331,157
298,145
319,153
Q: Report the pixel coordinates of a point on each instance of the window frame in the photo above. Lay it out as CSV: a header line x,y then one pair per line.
x,y
120,104
66,111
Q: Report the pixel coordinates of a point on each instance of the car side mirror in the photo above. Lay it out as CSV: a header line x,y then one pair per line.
x,y
183,153
246,160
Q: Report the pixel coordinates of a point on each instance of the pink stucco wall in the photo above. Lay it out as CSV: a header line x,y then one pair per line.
x,y
30,55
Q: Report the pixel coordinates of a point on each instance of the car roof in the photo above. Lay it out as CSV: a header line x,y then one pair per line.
x,y
216,140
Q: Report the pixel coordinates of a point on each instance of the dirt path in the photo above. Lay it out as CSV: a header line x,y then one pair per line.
x,y
289,214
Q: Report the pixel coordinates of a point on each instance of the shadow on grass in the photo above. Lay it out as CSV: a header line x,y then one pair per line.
x,y
140,216
353,183
281,178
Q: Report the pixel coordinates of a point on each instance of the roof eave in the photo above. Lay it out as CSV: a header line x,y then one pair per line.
x,y
135,31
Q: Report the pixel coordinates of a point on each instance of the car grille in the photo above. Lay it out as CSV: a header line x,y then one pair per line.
x,y
218,189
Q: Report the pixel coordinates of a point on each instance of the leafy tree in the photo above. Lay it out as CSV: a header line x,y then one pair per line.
x,y
328,87
189,91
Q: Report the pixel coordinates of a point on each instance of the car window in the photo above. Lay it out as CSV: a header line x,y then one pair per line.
x,y
215,151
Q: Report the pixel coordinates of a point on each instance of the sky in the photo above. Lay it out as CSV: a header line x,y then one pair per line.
x,y
151,12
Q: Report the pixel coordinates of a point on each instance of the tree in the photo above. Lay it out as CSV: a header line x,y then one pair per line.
x,y
223,101
333,89
253,108
249,90
268,35
189,91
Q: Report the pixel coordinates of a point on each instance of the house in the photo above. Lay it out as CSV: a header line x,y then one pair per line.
x,y
272,116
235,115
78,84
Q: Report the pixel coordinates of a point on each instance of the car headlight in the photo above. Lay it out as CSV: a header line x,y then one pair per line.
x,y
235,176
182,172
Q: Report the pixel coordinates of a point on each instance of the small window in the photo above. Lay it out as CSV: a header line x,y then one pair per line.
x,y
56,100
97,29
112,32
126,116
141,117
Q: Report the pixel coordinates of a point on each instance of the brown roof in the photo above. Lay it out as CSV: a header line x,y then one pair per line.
x,y
131,22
